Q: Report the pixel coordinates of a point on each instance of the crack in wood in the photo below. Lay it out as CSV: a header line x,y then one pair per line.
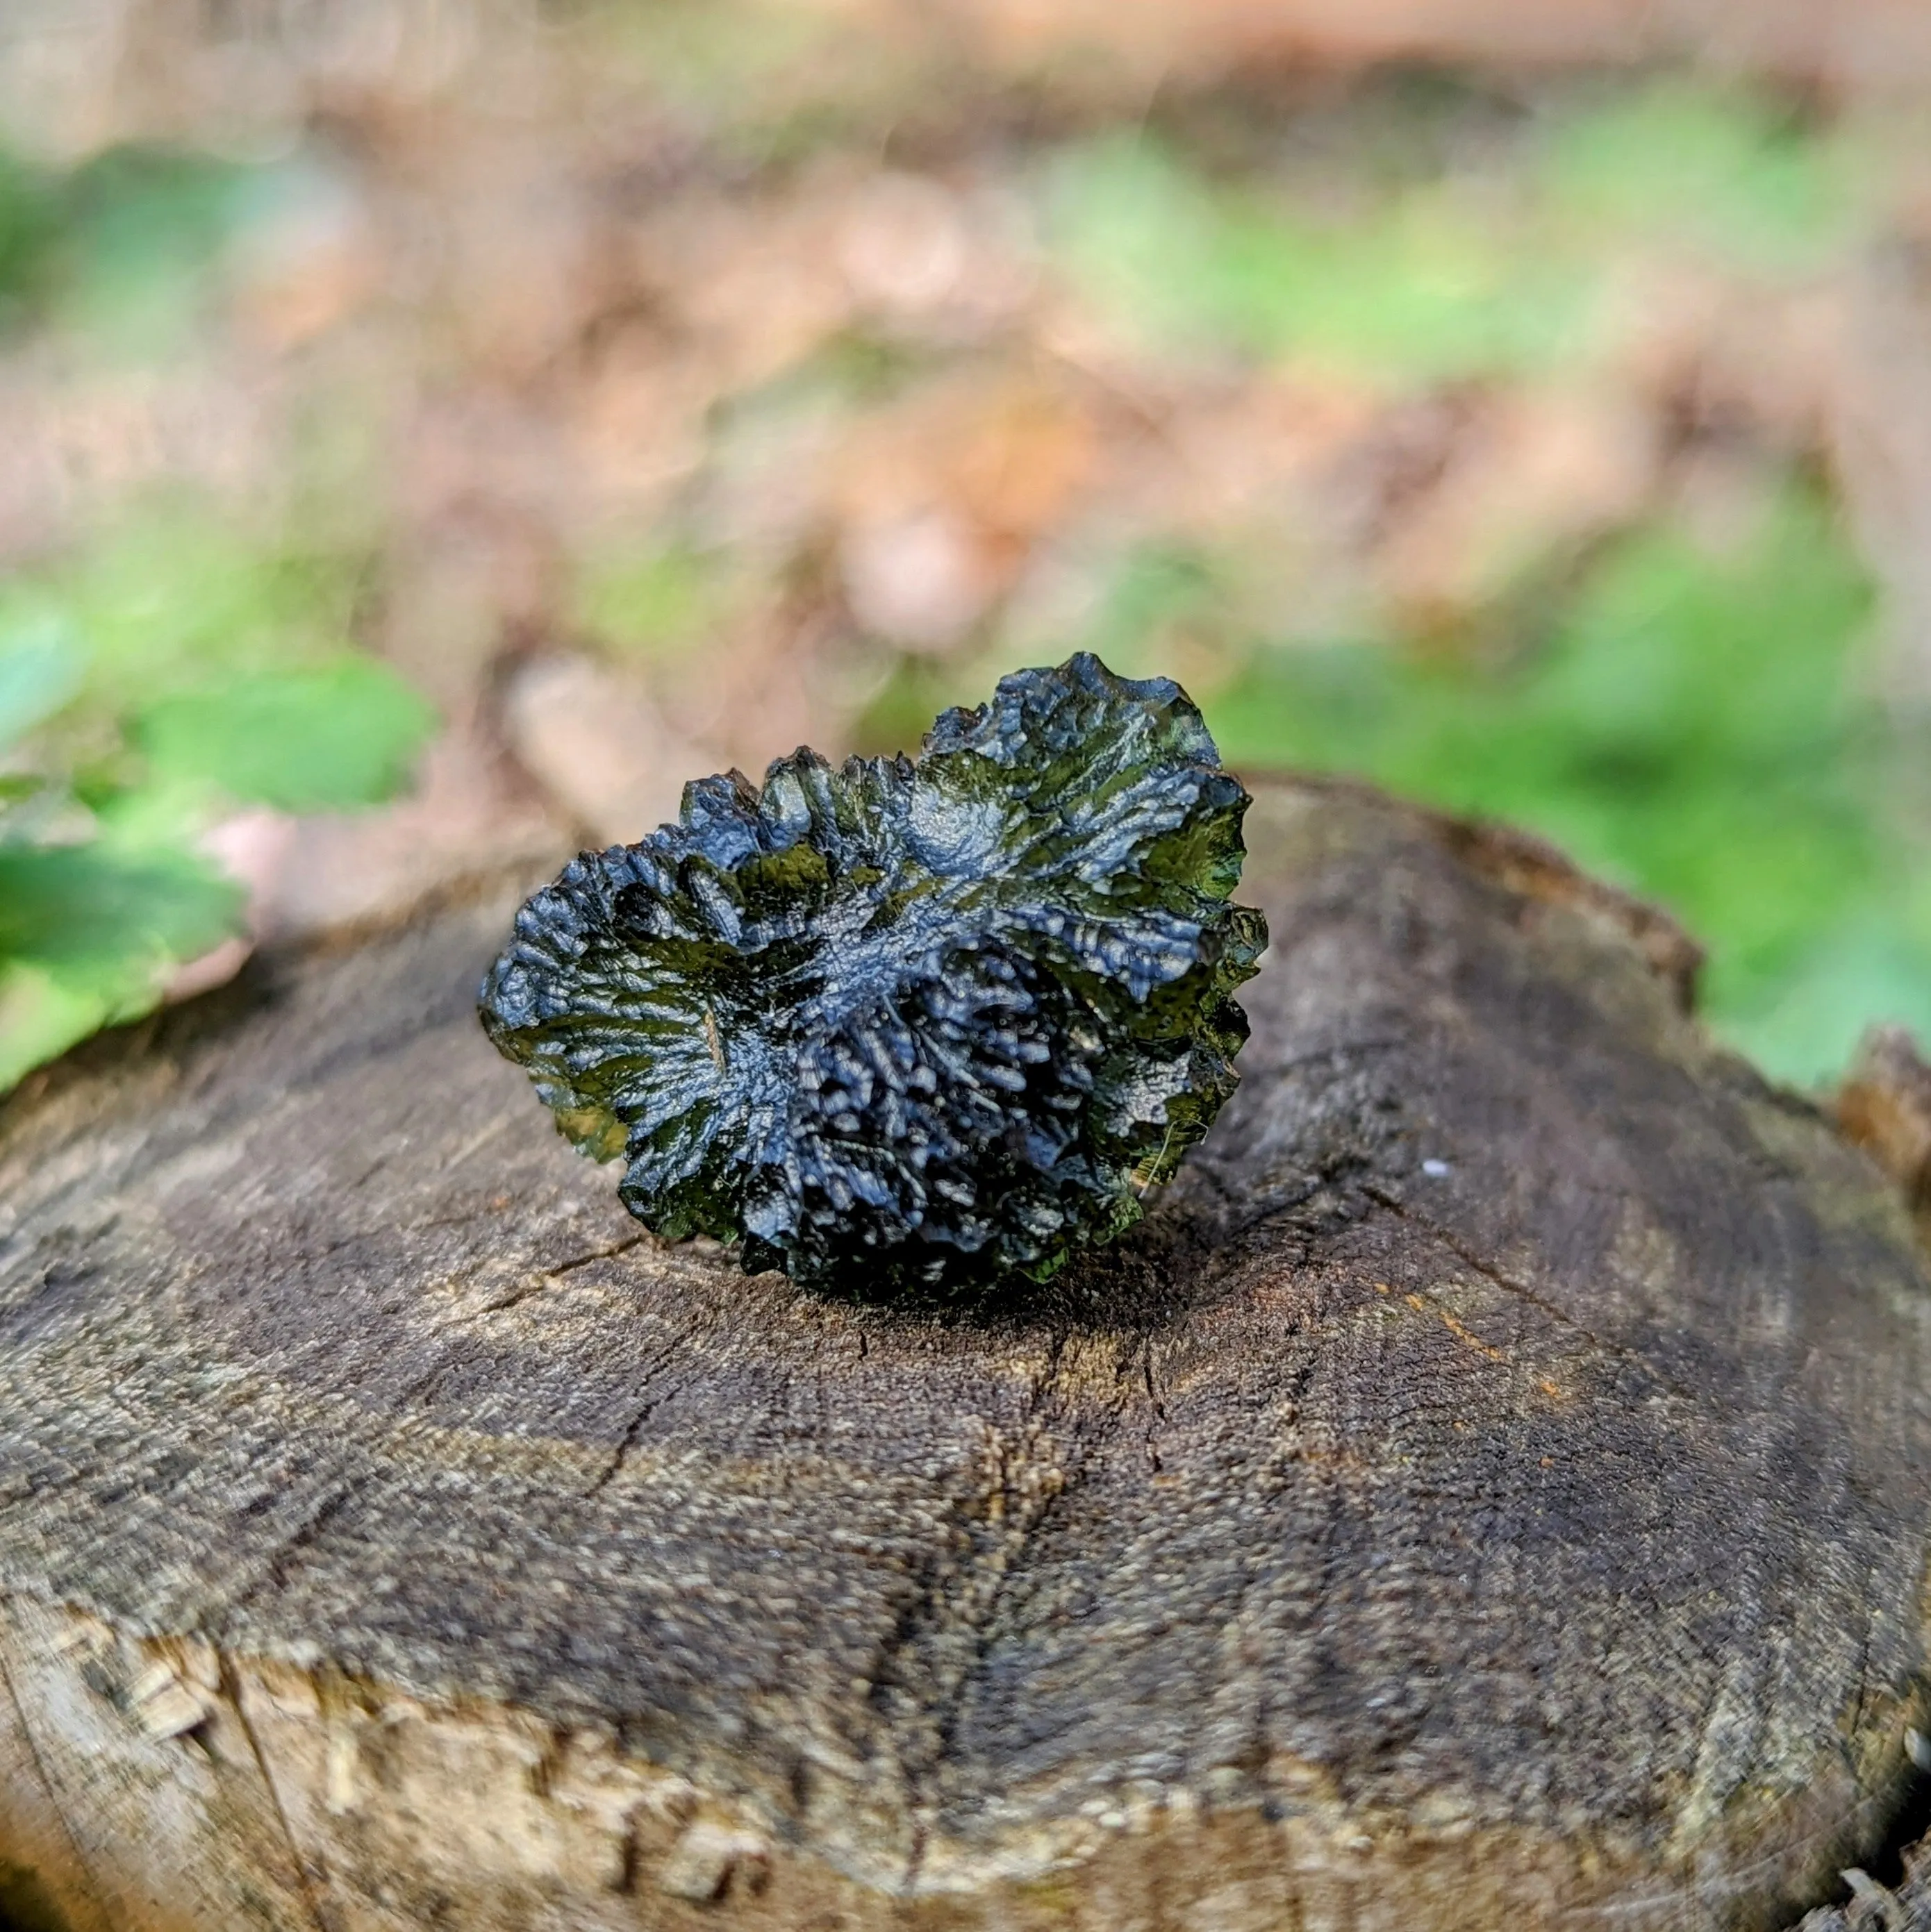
x,y
96,1896
231,1690
936,1614
546,1279
274,1575
1619,1351
634,1433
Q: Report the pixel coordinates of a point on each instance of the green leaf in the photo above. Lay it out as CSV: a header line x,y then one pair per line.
x,y
107,920
39,671
29,229
1670,651
305,741
174,596
41,1016
1807,1024
143,230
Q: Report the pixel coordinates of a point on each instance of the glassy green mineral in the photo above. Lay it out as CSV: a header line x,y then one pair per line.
x,y
906,1022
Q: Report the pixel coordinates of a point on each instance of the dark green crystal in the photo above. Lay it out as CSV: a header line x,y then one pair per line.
x,y
900,1022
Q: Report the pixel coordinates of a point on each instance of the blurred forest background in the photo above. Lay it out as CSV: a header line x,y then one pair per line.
x,y
431,430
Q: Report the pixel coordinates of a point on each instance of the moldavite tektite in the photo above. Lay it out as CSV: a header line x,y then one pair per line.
x,y
926,1022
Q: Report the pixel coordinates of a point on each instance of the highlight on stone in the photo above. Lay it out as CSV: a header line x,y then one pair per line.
x,y
905,1022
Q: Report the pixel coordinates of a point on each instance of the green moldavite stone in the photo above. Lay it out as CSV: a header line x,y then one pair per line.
x,y
930,1022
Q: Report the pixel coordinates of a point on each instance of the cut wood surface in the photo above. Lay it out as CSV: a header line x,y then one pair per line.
x,y
1493,1489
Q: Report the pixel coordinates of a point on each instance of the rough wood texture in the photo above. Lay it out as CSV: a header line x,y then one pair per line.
x,y
1877,1908
1885,1106
1494,1490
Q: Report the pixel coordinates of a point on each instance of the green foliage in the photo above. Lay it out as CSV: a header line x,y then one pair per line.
x,y
88,931
1415,287
341,736
1432,278
122,245
88,913
153,680
1727,172
175,665
171,596
1693,728
139,228
29,230
39,672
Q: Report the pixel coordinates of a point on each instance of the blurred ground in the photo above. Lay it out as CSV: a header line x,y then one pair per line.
x,y
510,411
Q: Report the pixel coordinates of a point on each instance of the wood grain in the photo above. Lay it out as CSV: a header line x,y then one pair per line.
x,y
1493,1489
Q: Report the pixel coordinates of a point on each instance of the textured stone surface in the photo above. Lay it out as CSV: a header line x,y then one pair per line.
x,y
928,1022
1491,1490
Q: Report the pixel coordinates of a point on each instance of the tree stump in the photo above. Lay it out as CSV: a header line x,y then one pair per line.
x,y
1492,1489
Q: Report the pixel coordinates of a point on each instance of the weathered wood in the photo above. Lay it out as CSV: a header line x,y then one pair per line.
x,y
1872,1907
1885,1106
1494,1489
